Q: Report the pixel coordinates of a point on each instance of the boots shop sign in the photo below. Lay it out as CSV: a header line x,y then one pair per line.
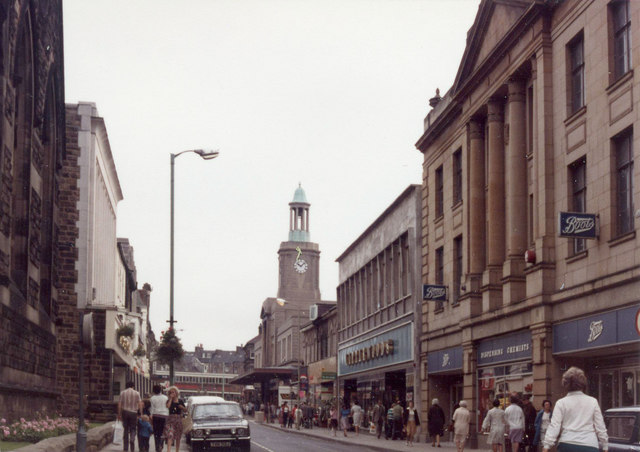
x,y
434,292
578,225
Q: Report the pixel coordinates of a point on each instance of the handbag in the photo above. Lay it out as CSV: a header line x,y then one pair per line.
x,y
187,424
118,432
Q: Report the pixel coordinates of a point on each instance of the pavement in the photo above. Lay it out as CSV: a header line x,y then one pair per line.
x,y
367,439
184,447
364,439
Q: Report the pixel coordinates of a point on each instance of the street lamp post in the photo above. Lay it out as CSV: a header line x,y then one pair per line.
x,y
206,155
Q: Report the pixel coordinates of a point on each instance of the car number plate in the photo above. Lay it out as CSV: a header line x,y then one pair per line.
x,y
220,444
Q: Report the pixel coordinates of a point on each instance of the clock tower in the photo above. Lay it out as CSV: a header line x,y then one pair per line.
x,y
299,271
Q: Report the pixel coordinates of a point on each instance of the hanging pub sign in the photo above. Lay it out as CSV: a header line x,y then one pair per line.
x,y
434,292
578,225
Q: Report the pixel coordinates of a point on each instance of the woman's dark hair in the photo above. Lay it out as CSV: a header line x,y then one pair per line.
x,y
157,389
574,379
496,402
545,401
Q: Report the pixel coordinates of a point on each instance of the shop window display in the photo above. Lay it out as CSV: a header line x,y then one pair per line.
x,y
615,387
500,382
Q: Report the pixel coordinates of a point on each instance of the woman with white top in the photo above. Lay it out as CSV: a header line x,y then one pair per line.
x,y
356,412
577,422
159,413
495,423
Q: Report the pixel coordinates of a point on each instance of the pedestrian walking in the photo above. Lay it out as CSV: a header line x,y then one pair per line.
x,y
144,433
515,419
284,412
543,419
333,419
377,417
397,421
435,422
159,414
344,418
297,416
495,423
411,423
388,432
530,414
461,419
173,425
577,422
129,408
356,412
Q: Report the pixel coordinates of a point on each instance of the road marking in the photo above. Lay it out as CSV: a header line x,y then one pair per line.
x,y
260,445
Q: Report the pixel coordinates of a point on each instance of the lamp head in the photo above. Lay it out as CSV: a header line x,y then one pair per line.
x,y
207,154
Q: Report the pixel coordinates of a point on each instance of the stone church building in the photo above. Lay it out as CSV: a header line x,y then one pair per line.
x,y
34,231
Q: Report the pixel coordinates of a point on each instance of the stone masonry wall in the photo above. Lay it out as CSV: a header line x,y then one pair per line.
x,y
68,316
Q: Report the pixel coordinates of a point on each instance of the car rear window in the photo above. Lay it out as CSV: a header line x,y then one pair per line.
x,y
620,427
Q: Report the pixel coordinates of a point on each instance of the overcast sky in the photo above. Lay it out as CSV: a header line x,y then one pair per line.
x,y
329,93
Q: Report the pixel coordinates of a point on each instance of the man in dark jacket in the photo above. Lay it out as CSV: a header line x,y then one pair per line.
x,y
529,422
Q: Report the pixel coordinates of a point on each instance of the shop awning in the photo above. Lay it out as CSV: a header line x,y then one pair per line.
x,y
264,374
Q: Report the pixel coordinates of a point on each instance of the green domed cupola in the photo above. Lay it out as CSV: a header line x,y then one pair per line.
x,y
299,217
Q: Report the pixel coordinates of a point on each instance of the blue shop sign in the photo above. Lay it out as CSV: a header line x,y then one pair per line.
x,y
446,360
390,347
578,225
511,347
609,328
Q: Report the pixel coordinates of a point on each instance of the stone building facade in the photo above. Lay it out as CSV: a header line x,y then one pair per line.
x,y
32,131
277,349
319,348
379,298
541,119
101,276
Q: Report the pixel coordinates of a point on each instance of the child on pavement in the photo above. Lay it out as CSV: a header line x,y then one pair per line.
x,y
144,433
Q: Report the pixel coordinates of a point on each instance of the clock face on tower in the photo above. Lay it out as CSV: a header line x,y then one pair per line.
x,y
300,266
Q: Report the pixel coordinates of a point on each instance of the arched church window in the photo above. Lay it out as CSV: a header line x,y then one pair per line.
x,y
23,126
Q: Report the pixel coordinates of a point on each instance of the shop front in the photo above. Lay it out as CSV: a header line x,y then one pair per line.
x,y
607,347
322,376
505,368
444,369
378,367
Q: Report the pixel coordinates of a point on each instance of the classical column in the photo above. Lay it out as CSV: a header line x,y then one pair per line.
x,y
477,205
495,201
514,289
517,172
477,219
491,279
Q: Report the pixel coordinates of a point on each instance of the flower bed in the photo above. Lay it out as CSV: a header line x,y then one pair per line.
x,y
37,429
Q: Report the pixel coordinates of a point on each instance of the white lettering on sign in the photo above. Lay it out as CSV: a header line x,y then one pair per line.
x,y
576,225
595,330
518,348
445,360
501,351
490,353
435,292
